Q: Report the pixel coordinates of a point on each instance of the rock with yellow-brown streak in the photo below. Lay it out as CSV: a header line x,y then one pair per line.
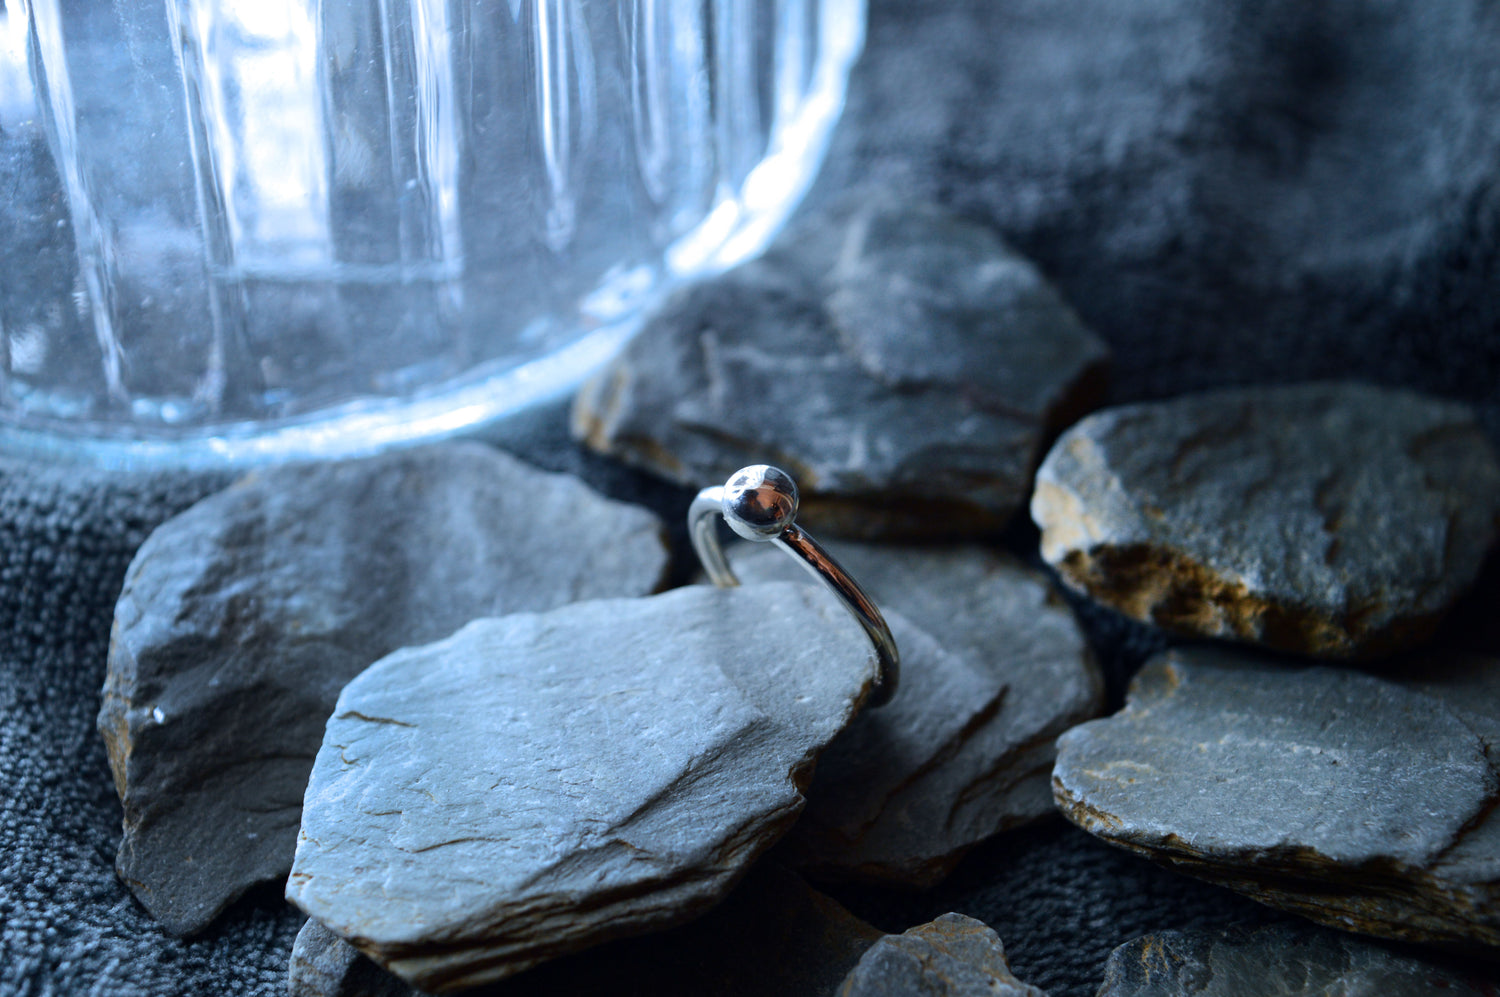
x,y
1334,520
1365,803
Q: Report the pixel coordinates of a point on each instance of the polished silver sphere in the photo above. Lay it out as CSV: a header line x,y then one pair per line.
x,y
760,502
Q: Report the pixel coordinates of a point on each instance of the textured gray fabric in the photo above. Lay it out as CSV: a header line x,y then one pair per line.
x,y
1226,192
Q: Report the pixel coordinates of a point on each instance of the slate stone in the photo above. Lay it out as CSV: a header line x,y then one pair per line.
x,y
994,667
242,618
1329,519
1277,961
1365,803
905,365
539,783
952,956
324,965
773,936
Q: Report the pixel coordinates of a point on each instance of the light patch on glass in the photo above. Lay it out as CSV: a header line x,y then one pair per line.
x,y
258,60
17,97
28,349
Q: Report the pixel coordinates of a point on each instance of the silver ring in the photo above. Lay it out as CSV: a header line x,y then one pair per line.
x,y
760,503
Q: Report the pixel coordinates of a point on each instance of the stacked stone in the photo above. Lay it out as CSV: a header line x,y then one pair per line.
x,y
525,754
516,763
1332,753
1293,525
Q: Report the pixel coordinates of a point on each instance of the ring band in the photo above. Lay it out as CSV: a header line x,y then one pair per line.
x,y
760,503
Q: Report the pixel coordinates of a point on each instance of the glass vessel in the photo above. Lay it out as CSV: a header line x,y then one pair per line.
x,y
244,229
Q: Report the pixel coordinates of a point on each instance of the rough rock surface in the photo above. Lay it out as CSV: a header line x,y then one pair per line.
x,y
1277,961
324,965
539,783
1330,519
772,937
994,667
242,617
905,365
1364,803
952,956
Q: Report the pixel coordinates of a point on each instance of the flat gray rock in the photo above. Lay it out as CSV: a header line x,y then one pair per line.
x,y
772,937
1276,961
1336,520
994,667
905,365
243,617
539,783
952,956
1363,803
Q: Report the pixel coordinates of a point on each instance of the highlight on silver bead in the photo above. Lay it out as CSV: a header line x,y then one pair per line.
x,y
760,502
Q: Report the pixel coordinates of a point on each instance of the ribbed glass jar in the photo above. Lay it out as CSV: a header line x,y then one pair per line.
x,y
247,229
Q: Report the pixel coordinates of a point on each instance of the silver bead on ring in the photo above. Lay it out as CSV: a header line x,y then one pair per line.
x,y
760,503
